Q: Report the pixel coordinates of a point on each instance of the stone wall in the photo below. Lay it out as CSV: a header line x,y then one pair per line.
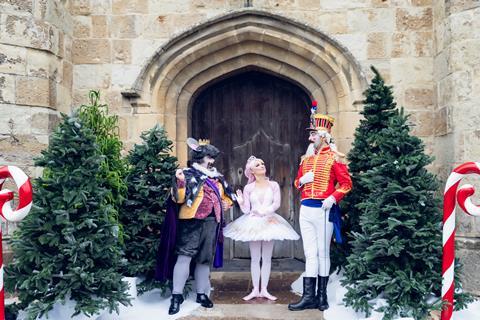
x,y
53,51
35,75
457,74
96,44
35,80
112,41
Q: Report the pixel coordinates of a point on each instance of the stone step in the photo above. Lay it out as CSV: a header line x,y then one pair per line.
x,y
278,264
257,312
230,287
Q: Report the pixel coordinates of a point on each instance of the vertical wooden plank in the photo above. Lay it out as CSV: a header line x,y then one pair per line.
x,y
260,114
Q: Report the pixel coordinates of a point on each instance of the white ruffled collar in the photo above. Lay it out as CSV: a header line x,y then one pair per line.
x,y
213,173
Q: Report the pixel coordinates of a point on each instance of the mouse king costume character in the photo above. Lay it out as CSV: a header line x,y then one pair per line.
x,y
203,195
323,181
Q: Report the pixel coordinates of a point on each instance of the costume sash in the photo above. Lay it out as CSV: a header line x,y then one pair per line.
x,y
218,258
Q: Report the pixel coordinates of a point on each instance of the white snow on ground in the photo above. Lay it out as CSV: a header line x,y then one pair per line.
x,y
152,306
148,306
338,310
473,312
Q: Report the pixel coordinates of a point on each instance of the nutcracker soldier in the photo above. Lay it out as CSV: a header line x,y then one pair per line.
x,y
323,181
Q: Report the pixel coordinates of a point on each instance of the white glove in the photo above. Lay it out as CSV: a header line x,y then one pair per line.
x,y
306,178
328,203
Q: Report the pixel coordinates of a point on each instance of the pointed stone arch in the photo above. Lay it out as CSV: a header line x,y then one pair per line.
x,y
244,39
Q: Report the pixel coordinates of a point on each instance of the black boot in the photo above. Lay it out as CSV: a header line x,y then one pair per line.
x,y
204,301
175,302
308,300
322,293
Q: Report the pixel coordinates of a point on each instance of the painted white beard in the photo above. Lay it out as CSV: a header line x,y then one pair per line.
x,y
319,146
310,150
212,173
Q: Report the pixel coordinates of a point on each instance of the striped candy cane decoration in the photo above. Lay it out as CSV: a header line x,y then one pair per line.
x,y
25,203
464,201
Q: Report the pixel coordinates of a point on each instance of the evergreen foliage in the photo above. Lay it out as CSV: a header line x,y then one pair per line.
x,y
150,177
68,246
397,242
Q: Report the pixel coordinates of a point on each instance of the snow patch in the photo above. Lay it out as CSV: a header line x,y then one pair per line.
x,y
151,305
338,310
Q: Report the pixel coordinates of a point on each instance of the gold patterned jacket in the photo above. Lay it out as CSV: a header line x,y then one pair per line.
x,y
331,177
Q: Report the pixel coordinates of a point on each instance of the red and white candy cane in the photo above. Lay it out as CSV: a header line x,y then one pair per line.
x,y
450,197
24,204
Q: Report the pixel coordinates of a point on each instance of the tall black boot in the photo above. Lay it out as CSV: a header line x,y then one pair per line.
x,y
308,300
322,293
175,302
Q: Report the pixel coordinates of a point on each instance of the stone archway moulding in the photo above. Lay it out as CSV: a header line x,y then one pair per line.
x,y
189,62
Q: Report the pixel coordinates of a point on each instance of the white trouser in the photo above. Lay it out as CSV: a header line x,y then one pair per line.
x,y
316,236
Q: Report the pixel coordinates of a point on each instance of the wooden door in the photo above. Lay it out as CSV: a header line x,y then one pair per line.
x,y
254,113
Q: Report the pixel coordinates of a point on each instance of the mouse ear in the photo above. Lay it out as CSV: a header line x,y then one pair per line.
x,y
193,144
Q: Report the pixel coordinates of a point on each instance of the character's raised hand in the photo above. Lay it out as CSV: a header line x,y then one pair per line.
x,y
225,205
180,175
239,196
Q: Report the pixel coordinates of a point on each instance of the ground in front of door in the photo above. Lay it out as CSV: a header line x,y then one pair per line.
x,y
230,287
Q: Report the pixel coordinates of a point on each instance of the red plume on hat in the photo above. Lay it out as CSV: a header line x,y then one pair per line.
x,y
319,121
313,111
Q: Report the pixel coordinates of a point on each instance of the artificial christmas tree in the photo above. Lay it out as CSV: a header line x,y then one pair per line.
x,y
379,107
396,252
105,128
149,180
67,247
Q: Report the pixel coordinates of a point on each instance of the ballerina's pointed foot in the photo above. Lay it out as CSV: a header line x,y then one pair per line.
x,y
264,293
254,294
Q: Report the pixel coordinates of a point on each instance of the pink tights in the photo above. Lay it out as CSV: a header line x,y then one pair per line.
x,y
263,250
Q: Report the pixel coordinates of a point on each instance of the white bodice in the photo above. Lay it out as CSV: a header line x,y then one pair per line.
x,y
260,222
261,198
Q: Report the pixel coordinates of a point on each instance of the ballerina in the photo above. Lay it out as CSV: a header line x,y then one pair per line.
x,y
259,225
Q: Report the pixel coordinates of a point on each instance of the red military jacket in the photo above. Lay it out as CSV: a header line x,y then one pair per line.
x,y
327,173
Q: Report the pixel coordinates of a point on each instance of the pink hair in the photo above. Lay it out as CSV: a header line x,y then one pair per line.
x,y
248,169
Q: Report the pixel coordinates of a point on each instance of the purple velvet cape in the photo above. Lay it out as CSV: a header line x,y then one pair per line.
x,y
166,257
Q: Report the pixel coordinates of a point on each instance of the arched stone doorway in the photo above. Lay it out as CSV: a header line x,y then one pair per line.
x,y
248,113
325,69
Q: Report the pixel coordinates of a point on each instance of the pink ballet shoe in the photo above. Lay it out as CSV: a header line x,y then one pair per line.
x,y
265,294
253,294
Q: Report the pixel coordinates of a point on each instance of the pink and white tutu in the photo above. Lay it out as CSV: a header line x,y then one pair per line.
x,y
260,222
251,227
